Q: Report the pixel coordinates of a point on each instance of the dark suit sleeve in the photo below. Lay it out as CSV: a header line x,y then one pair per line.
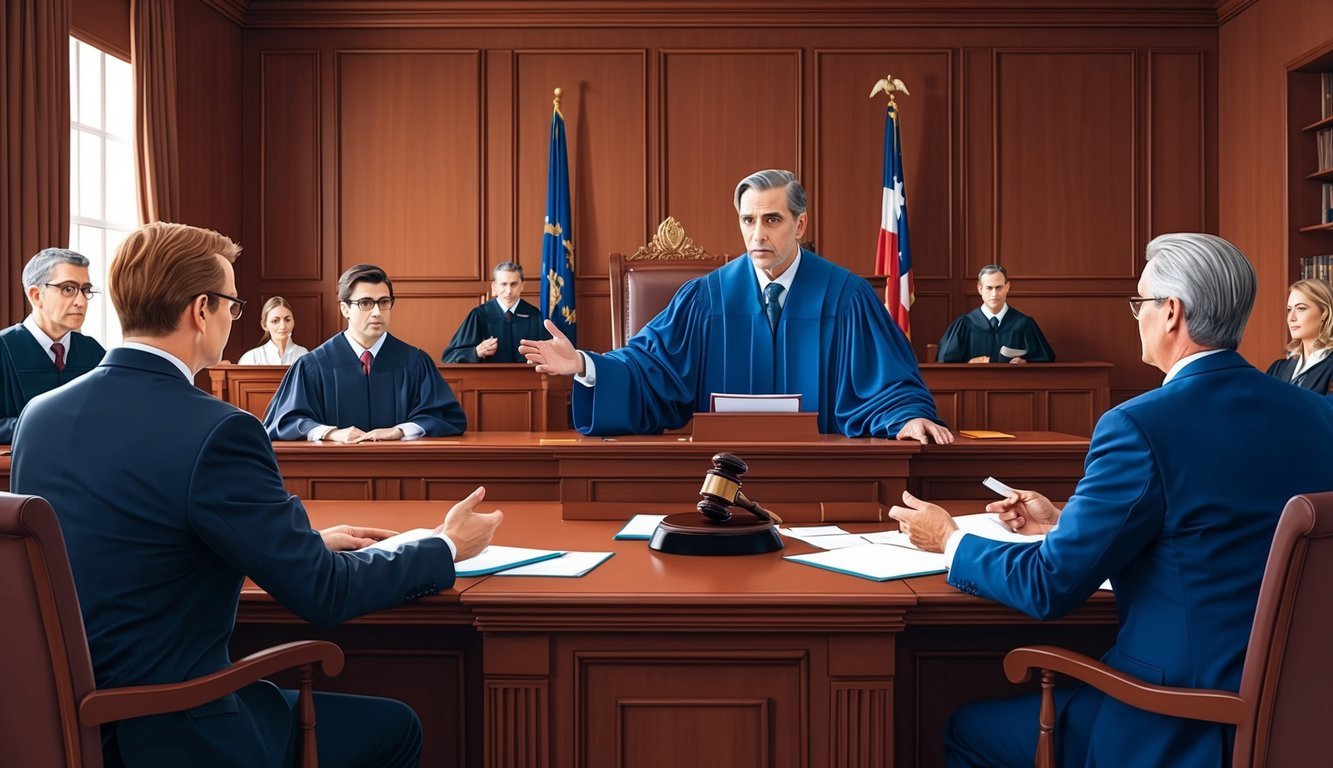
x,y
238,506
463,347
1039,350
1275,370
954,343
1116,511
297,406
435,409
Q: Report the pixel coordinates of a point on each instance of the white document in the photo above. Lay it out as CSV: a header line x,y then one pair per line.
x,y
569,565
876,562
823,536
998,487
736,403
639,527
807,531
397,540
1011,352
496,558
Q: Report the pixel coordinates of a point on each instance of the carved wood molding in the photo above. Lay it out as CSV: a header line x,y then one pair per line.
x,y
692,13
506,613
860,732
232,9
1229,9
517,715
670,244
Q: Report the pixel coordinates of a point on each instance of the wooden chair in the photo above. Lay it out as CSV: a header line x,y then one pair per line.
x,y
643,283
50,710
1281,711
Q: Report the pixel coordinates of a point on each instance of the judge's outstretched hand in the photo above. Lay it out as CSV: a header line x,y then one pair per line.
x,y
1026,512
468,529
555,355
925,431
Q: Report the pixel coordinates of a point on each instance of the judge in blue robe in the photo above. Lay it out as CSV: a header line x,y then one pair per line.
x,y
491,332
1177,507
987,332
779,320
46,350
364,384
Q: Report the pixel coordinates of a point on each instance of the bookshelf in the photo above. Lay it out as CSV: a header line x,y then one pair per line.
x,y
1310,164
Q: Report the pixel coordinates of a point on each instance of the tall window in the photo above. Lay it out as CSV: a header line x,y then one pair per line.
x,y
104,196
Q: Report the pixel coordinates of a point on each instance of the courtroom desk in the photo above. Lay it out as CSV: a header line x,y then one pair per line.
x,y
1050,463
495,396
668,660
1060,397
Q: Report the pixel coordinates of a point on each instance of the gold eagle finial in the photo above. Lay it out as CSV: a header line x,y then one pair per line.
x,y
889,85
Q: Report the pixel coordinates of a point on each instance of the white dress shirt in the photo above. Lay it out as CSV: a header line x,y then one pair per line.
x,y
411,431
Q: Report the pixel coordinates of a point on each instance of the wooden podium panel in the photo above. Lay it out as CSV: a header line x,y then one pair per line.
x,y
501,397
1056,397
1047,462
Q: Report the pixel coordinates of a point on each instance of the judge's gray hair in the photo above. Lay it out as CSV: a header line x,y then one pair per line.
x,y
1213,280
774,179
993,269
39,268
507,266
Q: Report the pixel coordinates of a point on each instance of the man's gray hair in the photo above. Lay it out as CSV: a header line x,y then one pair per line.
x,y
507,266
774,179
991,269
1213,280
39,268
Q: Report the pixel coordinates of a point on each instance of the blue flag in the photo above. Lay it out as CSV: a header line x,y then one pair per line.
x,y
557,240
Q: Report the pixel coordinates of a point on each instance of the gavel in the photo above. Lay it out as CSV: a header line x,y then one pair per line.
x,y
722,490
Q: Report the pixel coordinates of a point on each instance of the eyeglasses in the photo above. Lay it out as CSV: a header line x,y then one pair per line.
x,y
69,288
237,306
367,304
1136,303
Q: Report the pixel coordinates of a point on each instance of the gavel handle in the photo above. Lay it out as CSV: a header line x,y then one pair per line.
x,y
756,510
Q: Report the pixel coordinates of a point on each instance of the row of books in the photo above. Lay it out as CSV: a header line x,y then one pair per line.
x,y
1317,267
1326,93
1326,204
1324,148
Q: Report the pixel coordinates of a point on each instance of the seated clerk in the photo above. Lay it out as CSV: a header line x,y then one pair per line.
x,y
363,384
46,350
491,332
978,336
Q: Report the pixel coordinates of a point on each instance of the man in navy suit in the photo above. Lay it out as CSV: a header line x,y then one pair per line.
x,y
1180,496
169,497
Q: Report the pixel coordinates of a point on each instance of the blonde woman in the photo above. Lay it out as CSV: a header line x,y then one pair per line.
x,y
1310,322
276,346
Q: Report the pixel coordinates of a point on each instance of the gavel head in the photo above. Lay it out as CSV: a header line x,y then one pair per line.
x,y
720,487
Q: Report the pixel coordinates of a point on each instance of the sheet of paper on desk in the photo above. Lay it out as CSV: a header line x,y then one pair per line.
x,y
569,565
876,562
497,558
639,527
823,536
736,403
397,540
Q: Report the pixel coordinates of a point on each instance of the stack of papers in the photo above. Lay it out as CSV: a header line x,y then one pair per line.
x,y
568,565
877,562
640,527
493,559
824,536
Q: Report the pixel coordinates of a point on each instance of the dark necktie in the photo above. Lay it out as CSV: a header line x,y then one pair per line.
x,y
772,307
509,316
366,359
994,323
58,350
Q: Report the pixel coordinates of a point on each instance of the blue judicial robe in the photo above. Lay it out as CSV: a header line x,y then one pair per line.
x,y
1318,378
491,320
835,345
26,371
971,336
327,387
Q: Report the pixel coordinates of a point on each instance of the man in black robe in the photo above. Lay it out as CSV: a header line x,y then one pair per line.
x,y
994,332
364,384
491,332
46,350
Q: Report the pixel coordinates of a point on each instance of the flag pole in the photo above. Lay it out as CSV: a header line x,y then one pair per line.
x,y
893,255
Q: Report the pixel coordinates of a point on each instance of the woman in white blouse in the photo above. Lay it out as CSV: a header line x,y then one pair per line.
x,y
1310,322
278,347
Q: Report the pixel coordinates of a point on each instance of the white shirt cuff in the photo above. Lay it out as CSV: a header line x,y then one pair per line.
x,y
318,433
453,550
411,431
589,376
950,547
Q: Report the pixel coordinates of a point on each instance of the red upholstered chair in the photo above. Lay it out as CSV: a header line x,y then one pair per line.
x,y
1281,712
49,708
643,283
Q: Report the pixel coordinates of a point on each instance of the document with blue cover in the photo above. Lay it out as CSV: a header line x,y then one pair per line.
x,y
877,562
493,559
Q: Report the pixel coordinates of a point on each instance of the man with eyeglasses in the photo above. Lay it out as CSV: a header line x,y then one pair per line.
x,y
169,497
46,350
1178,503
363,384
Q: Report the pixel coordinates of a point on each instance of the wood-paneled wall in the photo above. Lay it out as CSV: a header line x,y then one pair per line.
x,y
419,142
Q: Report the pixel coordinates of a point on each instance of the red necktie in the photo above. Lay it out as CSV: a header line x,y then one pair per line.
x,y
58,350
366,357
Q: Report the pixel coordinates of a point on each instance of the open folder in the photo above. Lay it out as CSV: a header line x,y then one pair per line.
x,y
493,559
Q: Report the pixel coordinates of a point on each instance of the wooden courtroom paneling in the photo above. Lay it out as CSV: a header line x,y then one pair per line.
x,y
289,227
427,319
709,103
1177,145
848,141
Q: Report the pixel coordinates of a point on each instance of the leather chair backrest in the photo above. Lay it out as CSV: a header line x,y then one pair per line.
x,y
44,662
1288,674
643,283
